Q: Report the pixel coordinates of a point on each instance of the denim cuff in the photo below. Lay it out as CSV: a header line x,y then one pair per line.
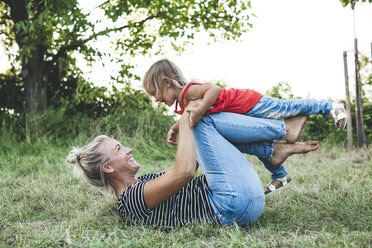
x,y
284,133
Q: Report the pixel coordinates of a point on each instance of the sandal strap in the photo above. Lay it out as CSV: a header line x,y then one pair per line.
x,y
271,187
284,180
340,116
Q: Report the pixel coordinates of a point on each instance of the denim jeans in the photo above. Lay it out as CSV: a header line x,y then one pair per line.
x,y
274,108
235,190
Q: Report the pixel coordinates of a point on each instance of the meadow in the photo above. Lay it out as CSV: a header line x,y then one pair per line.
x,y
329,204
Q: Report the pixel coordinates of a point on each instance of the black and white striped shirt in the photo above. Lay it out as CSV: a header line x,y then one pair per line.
x,y
191,204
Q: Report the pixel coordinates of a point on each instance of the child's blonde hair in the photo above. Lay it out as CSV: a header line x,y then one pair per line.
x,y
154,82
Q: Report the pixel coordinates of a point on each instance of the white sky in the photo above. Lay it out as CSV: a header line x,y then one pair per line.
x,y
295,41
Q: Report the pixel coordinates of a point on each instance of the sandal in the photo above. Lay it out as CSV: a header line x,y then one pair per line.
x,y
270,188
340,116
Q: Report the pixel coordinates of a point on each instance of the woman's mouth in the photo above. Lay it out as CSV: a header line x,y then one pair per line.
x,y
132,160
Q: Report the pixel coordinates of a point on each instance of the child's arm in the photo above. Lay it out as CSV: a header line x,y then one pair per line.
x,y
172,133
208,93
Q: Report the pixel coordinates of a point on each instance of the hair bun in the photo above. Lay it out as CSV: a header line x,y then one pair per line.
x,y
74,156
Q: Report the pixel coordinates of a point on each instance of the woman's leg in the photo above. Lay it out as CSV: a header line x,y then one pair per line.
x,y
236,191
243,130
238,128
274,108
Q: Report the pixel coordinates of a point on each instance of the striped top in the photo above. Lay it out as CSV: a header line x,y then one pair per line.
x,y
190,205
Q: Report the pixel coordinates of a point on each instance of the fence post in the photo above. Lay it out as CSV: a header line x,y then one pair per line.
x,y
358,101
348,107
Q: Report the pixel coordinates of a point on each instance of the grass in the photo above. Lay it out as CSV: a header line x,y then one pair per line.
x,y
329,204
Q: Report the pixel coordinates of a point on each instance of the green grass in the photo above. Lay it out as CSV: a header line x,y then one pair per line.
x,y
42,204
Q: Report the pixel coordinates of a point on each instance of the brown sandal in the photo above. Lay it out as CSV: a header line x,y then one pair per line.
x,y
277,184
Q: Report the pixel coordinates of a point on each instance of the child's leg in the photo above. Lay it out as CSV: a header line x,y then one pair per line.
x,y
279,174
275,153
274,108
264,152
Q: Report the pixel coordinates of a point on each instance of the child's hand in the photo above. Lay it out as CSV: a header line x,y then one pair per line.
x,y
172,136
195,114
195,117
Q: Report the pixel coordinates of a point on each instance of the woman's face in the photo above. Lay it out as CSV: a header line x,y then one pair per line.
x,y
120,157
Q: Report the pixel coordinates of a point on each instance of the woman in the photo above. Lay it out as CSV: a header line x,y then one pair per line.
x,y
230,189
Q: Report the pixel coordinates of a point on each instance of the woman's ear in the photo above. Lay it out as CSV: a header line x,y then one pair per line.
x,y
106,168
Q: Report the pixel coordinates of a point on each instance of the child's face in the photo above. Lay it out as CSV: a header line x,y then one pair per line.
x,y
167,96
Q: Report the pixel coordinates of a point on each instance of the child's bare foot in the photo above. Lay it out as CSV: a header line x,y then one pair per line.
x,y
283,150
293,127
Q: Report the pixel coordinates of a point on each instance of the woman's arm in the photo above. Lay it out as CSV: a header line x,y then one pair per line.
x,y
162,188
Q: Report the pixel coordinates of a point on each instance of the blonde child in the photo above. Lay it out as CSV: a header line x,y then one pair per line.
x,y
166,83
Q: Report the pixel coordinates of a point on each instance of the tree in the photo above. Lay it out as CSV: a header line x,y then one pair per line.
x,y
47,32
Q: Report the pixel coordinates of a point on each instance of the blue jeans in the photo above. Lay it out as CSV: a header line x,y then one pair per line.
x,y
274,108
235,190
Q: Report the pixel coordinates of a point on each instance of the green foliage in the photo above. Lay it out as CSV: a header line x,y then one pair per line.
x,y
144,128
73,94
220,83
366,78
12,95
48,34
281,90
353,2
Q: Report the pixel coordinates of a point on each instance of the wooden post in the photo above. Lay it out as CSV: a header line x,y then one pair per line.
x,y
358,101
348,107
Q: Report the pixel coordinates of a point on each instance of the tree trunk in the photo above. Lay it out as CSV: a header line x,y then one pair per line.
x,y
35,82
33,73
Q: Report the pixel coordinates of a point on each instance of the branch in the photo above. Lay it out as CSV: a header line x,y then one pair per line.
x,y
63,50
81,43
137,24
98,6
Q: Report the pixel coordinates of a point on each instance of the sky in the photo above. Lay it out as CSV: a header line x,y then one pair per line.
x,y
294,41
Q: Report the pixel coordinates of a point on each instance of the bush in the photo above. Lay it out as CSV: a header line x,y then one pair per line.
x,y
143,129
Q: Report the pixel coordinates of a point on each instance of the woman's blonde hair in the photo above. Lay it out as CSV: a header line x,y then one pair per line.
x,y
87,160
154,82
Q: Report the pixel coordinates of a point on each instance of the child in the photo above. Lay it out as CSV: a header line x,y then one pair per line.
x,y
165,81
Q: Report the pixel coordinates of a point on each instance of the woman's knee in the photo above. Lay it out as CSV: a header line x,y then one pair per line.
x,y
253,210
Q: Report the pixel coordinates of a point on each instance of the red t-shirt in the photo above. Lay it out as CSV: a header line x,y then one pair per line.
x,y
229,100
